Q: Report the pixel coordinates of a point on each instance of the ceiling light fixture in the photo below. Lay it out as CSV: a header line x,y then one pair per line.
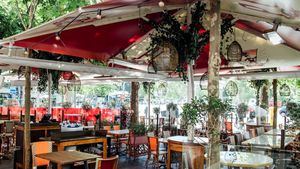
x,y
273,36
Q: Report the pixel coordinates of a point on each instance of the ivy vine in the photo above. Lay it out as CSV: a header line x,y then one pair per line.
x,y
189,40
42,74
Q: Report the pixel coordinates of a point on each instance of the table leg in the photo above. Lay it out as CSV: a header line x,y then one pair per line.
x,y
105,149
169,159
118,144
86,165
60,148
59,166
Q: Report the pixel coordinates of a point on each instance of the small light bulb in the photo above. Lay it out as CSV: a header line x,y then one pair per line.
x,y
99,16
161,4
80,9
25,52
57,37
55,45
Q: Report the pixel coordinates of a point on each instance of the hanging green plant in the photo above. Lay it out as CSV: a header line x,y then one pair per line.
x,y
285,90
293,112
42,74
257,85
188,40
148,86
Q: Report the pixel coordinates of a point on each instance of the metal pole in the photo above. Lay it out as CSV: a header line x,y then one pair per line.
x,y
49,92
190,70
275,103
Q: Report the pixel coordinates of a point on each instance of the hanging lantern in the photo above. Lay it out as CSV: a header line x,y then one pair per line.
x,y
231,89
204,81
284,90
165,58
234,52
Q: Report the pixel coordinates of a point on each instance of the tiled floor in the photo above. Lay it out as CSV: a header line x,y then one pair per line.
x,y
124,163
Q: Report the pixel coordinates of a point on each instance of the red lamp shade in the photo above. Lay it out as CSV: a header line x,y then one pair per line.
x,y
67,75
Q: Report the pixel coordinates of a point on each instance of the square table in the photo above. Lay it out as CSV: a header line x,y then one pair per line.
x,y
67,157
117,134
268,141
288,133
244,159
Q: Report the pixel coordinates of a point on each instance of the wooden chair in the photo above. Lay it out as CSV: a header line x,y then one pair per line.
x,y
137,145
252,133
238,138
108,128
108,163
155,152
246,135
116,127
260,131
228,127
8,139
40,147
166,134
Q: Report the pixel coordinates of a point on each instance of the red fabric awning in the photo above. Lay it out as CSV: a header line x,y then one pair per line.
x,y
91,42
90,38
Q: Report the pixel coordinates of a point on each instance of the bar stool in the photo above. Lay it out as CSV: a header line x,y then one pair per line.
x,y
8,139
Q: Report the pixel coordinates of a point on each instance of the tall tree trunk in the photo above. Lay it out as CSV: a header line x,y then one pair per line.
x,y
149,104
213,83
31,9
265,96
134,101
257,96
27,116
275,103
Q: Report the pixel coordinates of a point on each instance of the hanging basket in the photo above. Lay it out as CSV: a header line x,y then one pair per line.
x,y
165,57
234,52
204,81
231,89
284,90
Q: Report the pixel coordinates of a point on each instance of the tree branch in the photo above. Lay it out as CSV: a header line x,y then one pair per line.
x,y
20,14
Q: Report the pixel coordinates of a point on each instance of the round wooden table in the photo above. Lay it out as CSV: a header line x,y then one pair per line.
x,y
194,150
244,159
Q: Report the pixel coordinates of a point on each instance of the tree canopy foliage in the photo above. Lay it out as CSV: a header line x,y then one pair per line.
x,y
14,13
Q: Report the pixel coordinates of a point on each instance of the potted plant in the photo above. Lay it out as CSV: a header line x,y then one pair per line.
x,y
138,129
293,112
156,111
138,140
197,111
86,106
242,110
190,117
107,125
66,105
116,125
171,108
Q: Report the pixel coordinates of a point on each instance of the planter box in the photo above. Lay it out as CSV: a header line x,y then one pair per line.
x,y
138,146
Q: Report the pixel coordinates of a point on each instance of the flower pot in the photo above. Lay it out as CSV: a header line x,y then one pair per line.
x,y
190,132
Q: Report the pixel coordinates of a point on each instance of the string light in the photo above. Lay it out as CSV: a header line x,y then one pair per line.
x,y
57,37
99,16
26,52
55,45
161,4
